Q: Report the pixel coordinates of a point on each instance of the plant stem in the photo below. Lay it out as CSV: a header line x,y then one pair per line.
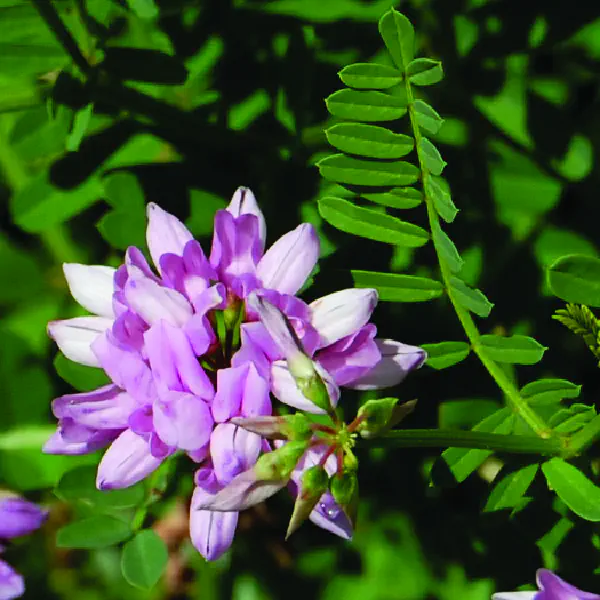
x,y
438,438
514,399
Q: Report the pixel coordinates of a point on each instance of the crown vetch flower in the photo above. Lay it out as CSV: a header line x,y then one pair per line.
x,y
550,587
17,517
186,352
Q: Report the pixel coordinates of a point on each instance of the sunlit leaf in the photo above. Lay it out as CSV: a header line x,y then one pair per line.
x,y
424,71
398,288
446,248
516,349
431,157
366,106
399,37
354,171
371,224
369,140
427,117
547,391
98,531
402,197
472,299
370,76
144,559
573,488
507,493
568,420
576,278
445,354
437,189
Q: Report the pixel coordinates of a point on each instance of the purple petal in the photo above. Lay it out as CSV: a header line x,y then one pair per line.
x,y
75,337
62,442
554,588
154,303
236,246
249,352
137,265
19,517
198,271
126,368
285,388
182,421
290,260
92,286
397,361
351,357
257,334
211,532
127,461
244,202
233,450
243,492
128,330
11,583
107,407
165,234
255,400
174,364
329,515
343,313
515,596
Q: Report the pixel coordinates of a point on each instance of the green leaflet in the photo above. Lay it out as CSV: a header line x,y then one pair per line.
x,y
354,171
82,378
79,485
370,224
445,354
573,488
446,248
437,189
369,140
463,462
427,117
399,37
568,420
355,105
402,197
424,71
548,391
516,349
472,299
398,288
370,76
507,493
144,559
145,9
431,157
98,531
576,278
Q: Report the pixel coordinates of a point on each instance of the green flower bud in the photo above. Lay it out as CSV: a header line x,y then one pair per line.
x,y
279,464
343,487
313,485
378,416
315,390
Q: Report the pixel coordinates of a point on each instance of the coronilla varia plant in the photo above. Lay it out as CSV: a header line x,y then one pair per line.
x,y
221,378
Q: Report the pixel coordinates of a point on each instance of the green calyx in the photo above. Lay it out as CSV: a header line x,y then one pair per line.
x,y
279,464
315,482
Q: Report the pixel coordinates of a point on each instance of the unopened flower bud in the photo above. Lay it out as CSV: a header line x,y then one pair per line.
x,y
344,489
313,485
294,427
279,464
378,416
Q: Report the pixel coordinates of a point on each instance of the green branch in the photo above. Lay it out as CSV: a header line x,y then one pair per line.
x,y
497,442
513,397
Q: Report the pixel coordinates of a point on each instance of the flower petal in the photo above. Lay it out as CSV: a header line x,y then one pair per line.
x,y
211,532
515,596
182,420
285,388
127,461
165,234
107,407
59,443
75,337
153,302
554,588
19,517
290,260
92,286
244,491
233,450
397,361
243,202
174,364
343,313
328,515
11,583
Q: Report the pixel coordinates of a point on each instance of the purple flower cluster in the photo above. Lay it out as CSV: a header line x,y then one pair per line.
x,y
550,587
186,352
17,517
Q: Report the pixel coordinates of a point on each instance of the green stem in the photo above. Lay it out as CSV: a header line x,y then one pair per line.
x,y
438,438
514,399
